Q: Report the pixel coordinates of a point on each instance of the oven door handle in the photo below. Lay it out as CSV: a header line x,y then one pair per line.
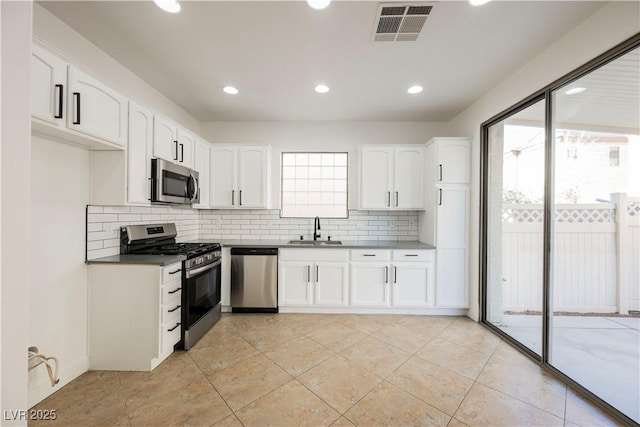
x,y
191,273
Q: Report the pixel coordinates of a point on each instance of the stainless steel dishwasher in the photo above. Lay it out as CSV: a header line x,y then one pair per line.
x,y
254,280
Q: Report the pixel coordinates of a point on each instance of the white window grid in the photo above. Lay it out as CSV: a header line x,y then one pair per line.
x,y
314,184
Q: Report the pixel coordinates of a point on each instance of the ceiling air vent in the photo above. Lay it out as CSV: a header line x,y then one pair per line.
x,y
400,22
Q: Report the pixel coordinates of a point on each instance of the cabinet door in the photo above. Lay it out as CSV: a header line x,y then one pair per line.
x,y
252,177
369,284
452,218
201,164
412,285
95,109
222,172
408,178
452,278
139,154
331,284
48,84
294,283
165,140
186,146
376,177
453,162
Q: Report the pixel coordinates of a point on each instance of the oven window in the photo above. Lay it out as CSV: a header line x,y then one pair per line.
x,y
203,293
174,184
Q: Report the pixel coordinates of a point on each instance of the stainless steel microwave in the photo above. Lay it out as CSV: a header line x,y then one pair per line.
x,y
173,184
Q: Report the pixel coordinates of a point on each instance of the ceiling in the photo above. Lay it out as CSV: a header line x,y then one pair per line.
x,y
275,52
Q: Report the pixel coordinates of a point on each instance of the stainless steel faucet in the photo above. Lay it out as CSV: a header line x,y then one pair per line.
x,y
316,228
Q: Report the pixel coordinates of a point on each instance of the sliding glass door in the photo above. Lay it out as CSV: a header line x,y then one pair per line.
x,y
561,227
515,193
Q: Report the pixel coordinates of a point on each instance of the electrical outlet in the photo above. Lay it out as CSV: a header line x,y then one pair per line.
x,y
216,223
109,228
413,223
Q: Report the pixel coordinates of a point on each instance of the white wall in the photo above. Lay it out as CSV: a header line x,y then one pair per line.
x,y
15,54
58,35
58,284
320,136
614,23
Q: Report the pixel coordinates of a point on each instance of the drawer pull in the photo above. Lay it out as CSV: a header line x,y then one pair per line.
x,y
174,328
174,291
177,271
411,254
174,309
386,274
395,274
369,255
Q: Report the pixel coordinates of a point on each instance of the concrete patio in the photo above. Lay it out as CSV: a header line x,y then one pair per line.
x,y
600,353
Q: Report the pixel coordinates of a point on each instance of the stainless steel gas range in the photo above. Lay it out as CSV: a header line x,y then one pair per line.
x,y
201,274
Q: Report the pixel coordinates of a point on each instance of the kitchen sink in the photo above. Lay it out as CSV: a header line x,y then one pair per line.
x,y
315,242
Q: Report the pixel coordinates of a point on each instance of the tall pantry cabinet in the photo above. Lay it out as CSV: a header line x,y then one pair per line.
x,y
445,222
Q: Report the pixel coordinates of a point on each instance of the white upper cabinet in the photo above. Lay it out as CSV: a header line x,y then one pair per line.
x,y
48,85
240,176
75,106
448,160
139,154
172,143
392,177
201,164
95,108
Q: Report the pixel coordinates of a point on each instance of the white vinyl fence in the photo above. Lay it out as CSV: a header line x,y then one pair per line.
x,y
595,257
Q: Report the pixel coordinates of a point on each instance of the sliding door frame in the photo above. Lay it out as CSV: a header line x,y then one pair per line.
x,y
545,94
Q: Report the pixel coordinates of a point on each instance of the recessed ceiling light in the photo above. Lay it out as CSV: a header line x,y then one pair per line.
x,y
322,88
414,89
230,90
478,2
575,90
171,6
318,4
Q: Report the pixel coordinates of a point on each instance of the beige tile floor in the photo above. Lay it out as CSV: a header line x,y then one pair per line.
x,y
339,370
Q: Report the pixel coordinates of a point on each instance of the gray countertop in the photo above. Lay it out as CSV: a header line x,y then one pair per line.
x,y
353,244
161,260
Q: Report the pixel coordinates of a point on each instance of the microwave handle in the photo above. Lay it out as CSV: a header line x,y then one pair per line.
x,y
192,179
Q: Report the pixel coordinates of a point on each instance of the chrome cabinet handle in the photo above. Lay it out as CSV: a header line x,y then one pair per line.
x,y
174,309
174,291
60,89
440,176
386,274
172,329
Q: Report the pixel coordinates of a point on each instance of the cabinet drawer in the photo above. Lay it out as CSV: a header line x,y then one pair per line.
x,y
172,291
370,255
172,273
170,312
413,255
312,255
171,334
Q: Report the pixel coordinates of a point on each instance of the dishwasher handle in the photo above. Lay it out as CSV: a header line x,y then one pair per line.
x,y
254,251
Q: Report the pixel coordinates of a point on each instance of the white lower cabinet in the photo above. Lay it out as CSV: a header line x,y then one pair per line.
x,y
369,284
134,315
312,277
356,279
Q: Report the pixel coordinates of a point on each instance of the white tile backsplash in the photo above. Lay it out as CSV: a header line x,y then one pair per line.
x,y
104,222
